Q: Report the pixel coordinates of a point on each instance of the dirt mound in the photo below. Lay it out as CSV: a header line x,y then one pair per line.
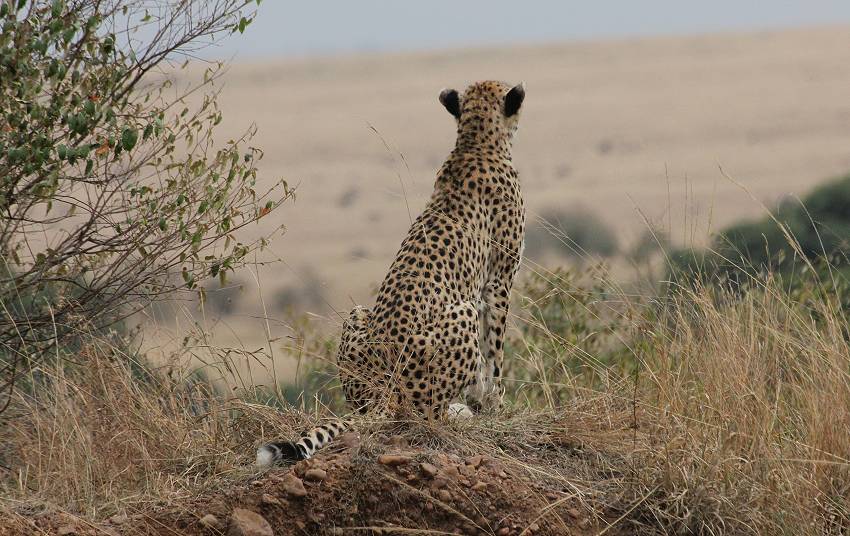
x,y
385,488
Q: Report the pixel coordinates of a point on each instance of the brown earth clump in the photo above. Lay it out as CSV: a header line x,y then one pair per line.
x,y
380,488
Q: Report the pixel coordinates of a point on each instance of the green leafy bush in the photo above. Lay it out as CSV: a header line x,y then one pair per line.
x,y
112,191
808,239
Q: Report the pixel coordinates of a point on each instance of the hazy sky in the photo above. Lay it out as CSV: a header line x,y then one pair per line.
x,y
325,27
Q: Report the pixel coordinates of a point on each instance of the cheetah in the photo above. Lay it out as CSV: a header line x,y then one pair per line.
x,y
435,335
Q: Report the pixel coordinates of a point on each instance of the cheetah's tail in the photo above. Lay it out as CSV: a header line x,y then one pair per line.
x,y
281,452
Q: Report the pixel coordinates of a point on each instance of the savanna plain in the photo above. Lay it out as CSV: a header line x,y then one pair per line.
x,y
664,374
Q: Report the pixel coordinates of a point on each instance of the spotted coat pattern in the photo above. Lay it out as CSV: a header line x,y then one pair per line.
x,y
436,332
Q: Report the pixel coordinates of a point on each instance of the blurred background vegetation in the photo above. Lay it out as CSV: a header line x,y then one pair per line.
x,y
804,240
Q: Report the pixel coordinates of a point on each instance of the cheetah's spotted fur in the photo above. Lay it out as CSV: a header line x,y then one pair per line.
x,y
436,332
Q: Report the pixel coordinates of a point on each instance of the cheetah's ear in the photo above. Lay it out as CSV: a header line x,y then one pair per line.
x,y
514,98
451,100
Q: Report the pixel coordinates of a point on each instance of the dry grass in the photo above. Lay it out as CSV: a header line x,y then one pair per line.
x,y
751,403
739,402
702,412
105,434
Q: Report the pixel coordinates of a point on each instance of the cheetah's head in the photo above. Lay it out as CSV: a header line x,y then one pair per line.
x,y
485,109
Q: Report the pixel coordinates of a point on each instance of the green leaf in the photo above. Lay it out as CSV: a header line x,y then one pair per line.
x,y
129,138
197,236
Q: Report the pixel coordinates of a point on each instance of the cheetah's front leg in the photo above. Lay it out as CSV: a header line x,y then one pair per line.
x,y
487,392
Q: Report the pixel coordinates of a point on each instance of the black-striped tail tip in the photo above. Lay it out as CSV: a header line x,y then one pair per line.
x,y
280,452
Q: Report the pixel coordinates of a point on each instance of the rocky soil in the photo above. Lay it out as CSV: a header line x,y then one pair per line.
x,y
388,488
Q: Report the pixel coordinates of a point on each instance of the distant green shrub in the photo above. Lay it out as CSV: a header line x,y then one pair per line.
x,y
649,243
574,232
810,238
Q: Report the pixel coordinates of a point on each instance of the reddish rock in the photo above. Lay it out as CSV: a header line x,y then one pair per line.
x,y
293,486
450,472
211,522
429,470
271,500
439,483
315,475
474,461
394,460
247,523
